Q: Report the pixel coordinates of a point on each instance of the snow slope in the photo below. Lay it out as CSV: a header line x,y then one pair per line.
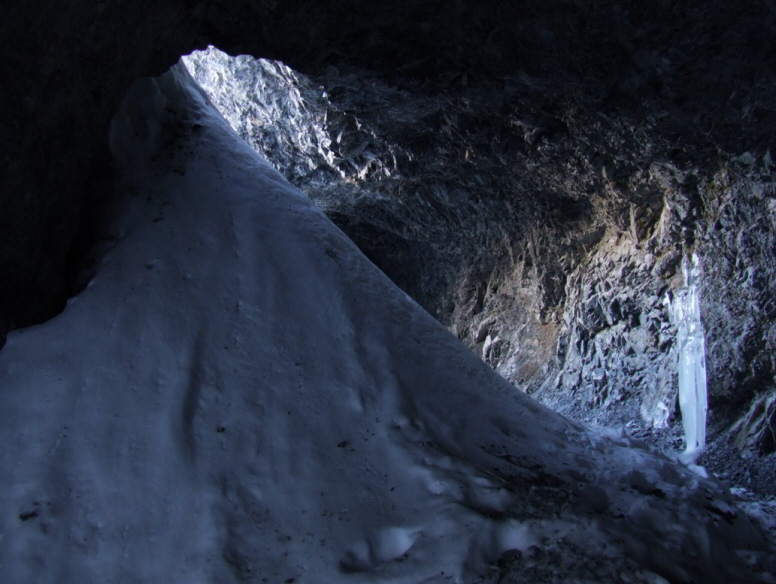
x,y
240,396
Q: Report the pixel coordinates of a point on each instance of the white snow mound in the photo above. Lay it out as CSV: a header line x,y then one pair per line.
x,y
241,396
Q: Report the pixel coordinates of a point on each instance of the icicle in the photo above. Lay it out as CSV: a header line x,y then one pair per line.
x,y
684,310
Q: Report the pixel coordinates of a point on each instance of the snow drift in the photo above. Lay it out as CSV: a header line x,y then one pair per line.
x,y
239,395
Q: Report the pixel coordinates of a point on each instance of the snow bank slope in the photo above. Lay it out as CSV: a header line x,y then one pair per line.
x,y
240,396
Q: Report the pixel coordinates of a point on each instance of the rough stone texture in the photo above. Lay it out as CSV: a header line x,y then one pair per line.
x,y
291,120
530,171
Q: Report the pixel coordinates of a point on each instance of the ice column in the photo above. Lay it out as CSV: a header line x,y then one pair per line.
x,y
691,351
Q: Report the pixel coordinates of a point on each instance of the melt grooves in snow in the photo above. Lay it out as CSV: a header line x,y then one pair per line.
x,y
240,396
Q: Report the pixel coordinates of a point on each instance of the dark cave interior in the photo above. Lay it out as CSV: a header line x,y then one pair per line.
x,y
531,173
518,140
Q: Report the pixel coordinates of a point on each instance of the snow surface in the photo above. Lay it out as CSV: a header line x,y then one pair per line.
x,y
239,395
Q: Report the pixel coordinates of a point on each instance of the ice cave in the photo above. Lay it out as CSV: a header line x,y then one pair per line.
x,y
316,293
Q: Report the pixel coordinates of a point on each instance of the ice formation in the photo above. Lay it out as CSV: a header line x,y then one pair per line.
x,y
691,358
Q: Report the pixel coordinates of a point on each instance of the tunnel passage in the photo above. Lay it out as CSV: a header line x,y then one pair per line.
x,y
582,180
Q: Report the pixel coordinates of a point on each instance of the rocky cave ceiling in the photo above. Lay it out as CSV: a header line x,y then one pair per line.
x,y
537,171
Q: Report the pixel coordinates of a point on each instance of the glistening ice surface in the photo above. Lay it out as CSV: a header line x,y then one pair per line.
x,y
691,359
